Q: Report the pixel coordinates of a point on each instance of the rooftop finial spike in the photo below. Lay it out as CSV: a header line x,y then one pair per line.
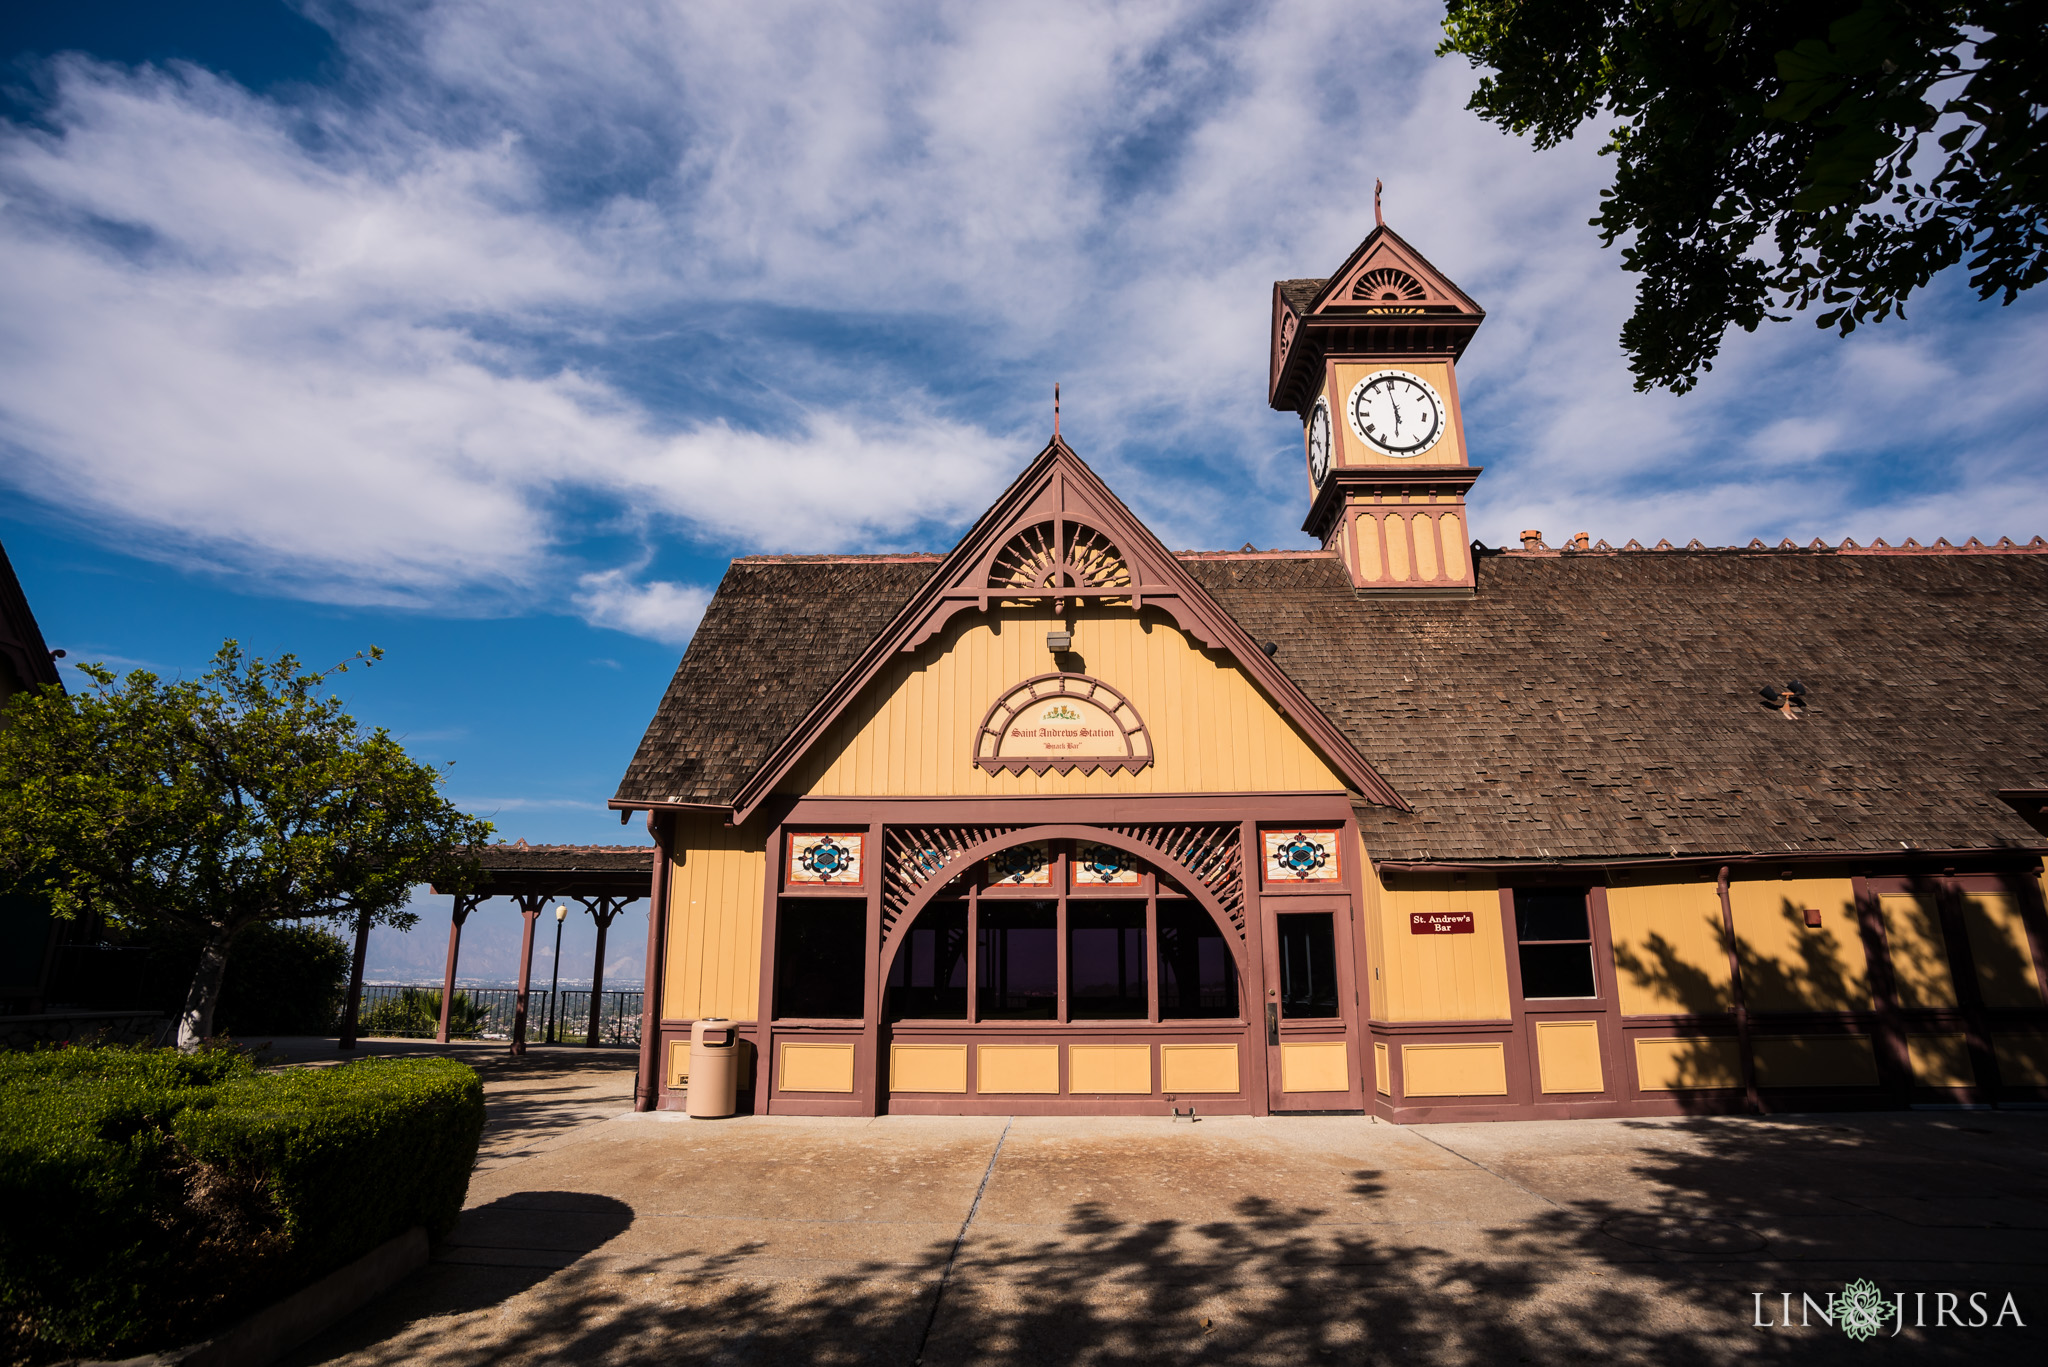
x,y
1379,219
1055,410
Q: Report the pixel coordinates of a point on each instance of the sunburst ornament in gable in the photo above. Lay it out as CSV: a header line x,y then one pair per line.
x,y
1048,557
1388,289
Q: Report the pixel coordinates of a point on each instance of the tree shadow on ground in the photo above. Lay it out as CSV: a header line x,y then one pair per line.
x,y
1660,1265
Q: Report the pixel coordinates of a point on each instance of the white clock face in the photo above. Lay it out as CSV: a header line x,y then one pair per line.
x,y
1319,442
1396,412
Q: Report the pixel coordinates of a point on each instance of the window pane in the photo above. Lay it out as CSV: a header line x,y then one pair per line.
x,y
928,981
1551,914
818,957
1557,971
1018,973
1106,960
1197,976
1308,964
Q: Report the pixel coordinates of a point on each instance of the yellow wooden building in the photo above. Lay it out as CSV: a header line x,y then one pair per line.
x,y
1062,821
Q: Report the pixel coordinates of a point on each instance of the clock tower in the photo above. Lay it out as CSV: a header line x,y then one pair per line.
x,y
1367,358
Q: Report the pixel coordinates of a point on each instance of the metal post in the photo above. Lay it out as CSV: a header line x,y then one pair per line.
x,y
555,980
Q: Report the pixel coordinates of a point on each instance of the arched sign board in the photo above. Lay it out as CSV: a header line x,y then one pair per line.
x,y
1062,722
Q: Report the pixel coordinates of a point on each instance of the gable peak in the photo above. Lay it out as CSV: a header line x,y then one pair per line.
x,y
1387,275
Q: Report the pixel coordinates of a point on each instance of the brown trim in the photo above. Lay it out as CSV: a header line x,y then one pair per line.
x,y
1326,806
1026,835
1894,1062
764,1007
1969,987
1059,483
648,1085
1745,1056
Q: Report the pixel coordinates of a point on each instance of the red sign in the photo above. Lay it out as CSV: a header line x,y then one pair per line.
x,y
1439,923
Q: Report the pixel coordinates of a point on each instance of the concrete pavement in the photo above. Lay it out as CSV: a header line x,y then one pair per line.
x,y
595,1235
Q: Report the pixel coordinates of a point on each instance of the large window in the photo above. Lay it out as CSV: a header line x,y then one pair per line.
x,y
818,957
1019,965
1308,964
1106,960
1041,933
1554,940
1197,975
928,980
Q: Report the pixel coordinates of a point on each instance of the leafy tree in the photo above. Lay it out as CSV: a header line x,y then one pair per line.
x,y
1783,154
216,804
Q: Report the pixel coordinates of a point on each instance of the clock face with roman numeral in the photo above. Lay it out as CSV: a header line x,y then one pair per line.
x,y
1396,412
1319,442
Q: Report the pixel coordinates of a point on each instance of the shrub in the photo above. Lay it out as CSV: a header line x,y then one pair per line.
x,y
152,1196
283,979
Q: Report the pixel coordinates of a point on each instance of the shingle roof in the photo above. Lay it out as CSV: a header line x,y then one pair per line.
x,y
1301,293
520,857
1606,705
1578,706
777,634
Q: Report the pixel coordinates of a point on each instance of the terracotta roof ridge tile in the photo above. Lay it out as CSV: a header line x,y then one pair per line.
x,y
894,558
2005,545
1256,555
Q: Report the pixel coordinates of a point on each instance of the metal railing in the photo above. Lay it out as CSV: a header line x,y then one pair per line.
x,y
486,1013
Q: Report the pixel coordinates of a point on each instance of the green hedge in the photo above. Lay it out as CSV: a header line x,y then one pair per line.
x,y
151,1197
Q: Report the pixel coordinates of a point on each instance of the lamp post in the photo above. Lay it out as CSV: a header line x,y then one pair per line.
x,y
555,980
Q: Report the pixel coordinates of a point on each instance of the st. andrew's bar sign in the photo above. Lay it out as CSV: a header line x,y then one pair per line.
x,y
1440,923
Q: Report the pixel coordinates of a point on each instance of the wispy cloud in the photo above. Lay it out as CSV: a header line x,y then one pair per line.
x,y
536,290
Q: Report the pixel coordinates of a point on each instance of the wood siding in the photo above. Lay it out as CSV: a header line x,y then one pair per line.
x,y
1670,952
1788,965
1441,977
913,732
716,885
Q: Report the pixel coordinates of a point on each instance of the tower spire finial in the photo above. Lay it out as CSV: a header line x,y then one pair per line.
x,y
1379,219
1055,410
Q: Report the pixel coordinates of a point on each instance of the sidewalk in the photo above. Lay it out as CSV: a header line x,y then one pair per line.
x,y
594,1235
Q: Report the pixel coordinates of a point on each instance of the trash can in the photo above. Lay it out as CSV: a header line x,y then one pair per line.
x,y
714,1068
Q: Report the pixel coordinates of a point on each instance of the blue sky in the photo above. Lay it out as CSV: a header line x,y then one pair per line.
x,y
488,333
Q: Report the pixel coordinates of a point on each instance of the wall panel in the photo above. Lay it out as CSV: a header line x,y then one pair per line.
x,y
1454,1070
1815,1061
927,1067
1670,1064
1109,1069
1198,1068
1017,1068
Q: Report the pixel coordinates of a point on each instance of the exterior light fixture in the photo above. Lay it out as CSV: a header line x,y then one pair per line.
x,y
1059,642
561,911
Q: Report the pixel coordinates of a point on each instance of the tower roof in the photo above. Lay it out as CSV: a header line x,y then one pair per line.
x,y
1386,297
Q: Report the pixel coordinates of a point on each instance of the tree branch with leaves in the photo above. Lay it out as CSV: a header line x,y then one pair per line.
x,y
214,804
1830,154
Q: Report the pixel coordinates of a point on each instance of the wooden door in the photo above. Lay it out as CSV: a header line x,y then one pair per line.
x,y
1311,1011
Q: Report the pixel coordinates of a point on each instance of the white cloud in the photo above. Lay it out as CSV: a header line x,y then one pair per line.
x,y
660,611
783,277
